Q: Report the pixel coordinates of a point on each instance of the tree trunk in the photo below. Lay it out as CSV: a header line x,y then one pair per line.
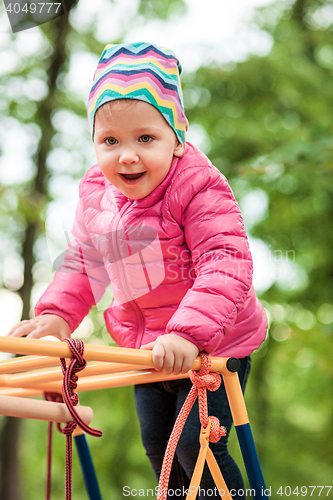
x,y
299,11
9,445
56,31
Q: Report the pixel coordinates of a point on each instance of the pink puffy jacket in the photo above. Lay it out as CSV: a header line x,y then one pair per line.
x,y
178,261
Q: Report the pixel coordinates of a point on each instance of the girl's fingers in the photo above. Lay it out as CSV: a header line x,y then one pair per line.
x,y
21,329
16,326
187,364
149,346
37,333
168,362
178,364
42,326
158,356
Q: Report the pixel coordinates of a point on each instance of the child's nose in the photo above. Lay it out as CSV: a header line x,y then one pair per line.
x,y
128,155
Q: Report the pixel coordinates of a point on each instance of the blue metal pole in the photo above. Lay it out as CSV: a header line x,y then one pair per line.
x,y
87,466
251,461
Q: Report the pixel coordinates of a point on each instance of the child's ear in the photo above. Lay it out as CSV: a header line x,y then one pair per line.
x,y
179,149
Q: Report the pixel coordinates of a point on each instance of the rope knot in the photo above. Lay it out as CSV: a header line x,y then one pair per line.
x,y
71,399
73,381
69,428
80,363
77,348
74,398
204,377
216,430
201,381
210,381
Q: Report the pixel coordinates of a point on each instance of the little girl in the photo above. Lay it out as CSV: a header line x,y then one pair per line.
x,y
160,223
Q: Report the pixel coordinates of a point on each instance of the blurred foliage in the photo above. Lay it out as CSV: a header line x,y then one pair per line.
x,y
45,149
162,10
269,125
268,128
118,456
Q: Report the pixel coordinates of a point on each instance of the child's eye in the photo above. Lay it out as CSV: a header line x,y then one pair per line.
x,y
111,141
145,138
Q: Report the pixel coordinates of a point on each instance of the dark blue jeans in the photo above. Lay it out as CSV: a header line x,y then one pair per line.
x,y
158,405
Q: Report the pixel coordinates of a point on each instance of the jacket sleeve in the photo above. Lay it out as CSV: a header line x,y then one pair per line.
x,y
216,238
79,282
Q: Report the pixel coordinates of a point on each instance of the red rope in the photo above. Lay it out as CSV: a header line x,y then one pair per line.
x,y
50,396
202,381
48,461
71,399
76,364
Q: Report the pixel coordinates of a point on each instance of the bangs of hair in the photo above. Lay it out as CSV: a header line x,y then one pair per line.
x,y
106,109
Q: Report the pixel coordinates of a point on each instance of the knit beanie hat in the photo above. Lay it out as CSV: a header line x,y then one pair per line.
x,y
141,71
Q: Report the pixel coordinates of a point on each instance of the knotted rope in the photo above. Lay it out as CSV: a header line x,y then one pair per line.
x,y
55,397
76,364
71,399
201,381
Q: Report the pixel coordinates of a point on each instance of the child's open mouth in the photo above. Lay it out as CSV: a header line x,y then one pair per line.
x,y
132,178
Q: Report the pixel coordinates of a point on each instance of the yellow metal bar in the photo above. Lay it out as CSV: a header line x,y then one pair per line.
x,y
127,378
22,393
139,357
23,363
36,377
29,379
217,476
235,398
95,383
206,455
62,350
78,431
200,463
107,381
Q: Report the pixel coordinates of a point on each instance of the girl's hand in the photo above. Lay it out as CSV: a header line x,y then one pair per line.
x,y
42,326
172,353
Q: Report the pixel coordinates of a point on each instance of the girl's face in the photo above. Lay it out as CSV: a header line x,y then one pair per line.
x,y
134,146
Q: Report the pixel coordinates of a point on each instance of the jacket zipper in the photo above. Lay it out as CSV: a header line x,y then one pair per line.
x,y
137,310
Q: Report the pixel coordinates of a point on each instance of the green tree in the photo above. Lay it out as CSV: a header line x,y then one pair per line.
x,y
41,108
269,125
30,198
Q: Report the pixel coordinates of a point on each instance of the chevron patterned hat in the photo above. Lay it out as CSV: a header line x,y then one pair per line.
x,y
141,71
